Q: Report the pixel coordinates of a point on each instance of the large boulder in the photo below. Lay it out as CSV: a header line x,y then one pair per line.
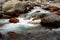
x,y
13,7
22,6
51,21
9,6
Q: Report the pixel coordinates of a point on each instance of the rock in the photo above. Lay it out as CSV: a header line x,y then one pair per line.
x,y
1,35
13,36
56,12
13,14
39,15
13,20
5,17
22,6
51,21
53,8
35,4
8,8
15,8
16,5
36,18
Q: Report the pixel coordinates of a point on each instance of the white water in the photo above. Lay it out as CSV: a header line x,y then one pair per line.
x,y
37,9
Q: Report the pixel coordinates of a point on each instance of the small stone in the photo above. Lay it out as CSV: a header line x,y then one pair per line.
x,y
13,20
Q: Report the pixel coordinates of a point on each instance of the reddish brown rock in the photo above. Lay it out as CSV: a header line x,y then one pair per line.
x,y
53,8
13,20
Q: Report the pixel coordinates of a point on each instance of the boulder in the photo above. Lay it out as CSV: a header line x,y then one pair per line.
x,y
51,21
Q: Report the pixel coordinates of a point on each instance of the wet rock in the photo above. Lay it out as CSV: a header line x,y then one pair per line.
x,y
52,21
13,20
1,35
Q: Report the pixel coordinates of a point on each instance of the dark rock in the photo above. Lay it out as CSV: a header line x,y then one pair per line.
x,y
1,35
52,21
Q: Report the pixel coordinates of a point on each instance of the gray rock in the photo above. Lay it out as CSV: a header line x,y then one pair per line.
x,y
52,21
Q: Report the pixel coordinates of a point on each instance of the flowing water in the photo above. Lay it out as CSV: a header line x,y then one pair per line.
x,y
23,24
